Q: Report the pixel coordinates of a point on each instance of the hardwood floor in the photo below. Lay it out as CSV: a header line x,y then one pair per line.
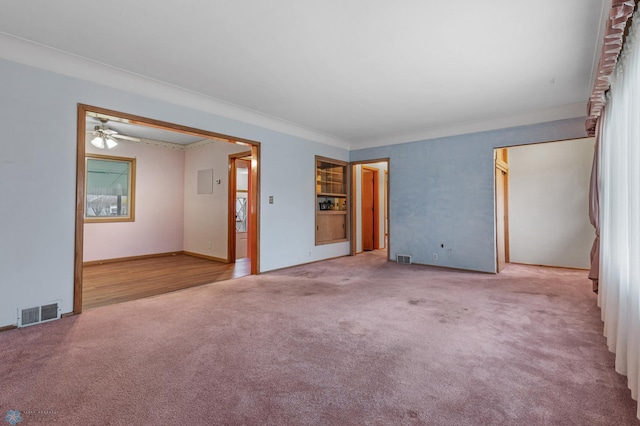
x,y
134,279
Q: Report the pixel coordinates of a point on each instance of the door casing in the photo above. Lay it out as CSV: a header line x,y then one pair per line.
x,y
387,204
501,207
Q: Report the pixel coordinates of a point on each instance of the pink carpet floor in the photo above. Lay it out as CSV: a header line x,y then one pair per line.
x,y
355,340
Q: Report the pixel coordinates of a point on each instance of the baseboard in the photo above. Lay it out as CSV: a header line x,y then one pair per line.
x,y
375,249
303,264
550,266
149,256
204,256
123,259
451,268
13,326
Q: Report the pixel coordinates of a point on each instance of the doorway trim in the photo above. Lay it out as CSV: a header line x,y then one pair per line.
x,y
501,207
353,218
149,122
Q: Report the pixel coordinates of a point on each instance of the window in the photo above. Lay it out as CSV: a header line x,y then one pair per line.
x,y
110,189
241,212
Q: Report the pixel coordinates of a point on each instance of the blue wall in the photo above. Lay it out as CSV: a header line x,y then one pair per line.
x,y
441,192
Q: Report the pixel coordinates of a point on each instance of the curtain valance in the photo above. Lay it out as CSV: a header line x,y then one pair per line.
x,y
619,15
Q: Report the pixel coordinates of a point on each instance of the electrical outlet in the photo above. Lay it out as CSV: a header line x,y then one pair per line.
x,y
209,244
435,256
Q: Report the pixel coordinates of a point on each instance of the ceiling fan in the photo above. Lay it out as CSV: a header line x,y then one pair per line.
x,y
106,137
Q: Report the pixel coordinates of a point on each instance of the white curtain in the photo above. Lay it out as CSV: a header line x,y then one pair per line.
x,y
619,181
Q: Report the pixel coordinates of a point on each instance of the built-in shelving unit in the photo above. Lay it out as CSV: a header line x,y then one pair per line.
x,y
332,201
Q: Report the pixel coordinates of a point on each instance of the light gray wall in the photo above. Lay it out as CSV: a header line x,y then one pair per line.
x,y
38,118
159,212
206,215
549,203
441,191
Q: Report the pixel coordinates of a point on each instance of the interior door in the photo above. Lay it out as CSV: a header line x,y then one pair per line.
x,y
367,209
243,168
386,209
370,209
239,242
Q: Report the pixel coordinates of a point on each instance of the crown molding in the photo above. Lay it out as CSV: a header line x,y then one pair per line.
x,y
37,55
198,144
552,114
44,57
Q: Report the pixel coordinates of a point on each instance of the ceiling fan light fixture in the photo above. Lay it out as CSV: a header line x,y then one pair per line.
x,y
111,143
98,142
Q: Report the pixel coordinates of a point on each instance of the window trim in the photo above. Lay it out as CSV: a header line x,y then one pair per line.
x,y
132,189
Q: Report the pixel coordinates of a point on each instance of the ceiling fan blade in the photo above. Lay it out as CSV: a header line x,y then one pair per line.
x,y
126,138
106,117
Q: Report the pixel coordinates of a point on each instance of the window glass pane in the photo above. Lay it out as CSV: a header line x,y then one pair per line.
x,y
241,212
108,186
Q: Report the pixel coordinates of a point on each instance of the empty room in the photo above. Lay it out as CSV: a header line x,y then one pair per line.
x,y
320,213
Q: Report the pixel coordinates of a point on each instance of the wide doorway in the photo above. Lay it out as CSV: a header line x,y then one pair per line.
x,y
153,196
541,196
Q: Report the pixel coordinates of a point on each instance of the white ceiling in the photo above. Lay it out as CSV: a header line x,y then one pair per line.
x,y
363,71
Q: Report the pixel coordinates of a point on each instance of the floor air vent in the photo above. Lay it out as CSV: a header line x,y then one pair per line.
x,y
403,258
38,314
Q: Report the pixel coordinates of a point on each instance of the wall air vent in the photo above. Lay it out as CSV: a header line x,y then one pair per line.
x,y
403,258
29,316
38,314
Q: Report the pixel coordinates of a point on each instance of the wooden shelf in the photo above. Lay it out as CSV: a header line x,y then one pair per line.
x,y
331,187
331,194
